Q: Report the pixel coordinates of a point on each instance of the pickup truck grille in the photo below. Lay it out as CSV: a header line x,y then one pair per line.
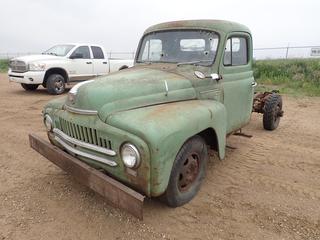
x,y
85,134
18,66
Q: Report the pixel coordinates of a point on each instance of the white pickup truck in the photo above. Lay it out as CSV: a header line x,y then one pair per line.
x,y
61,65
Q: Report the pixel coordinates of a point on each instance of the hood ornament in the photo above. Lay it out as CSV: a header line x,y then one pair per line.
x,y
73,91
166,87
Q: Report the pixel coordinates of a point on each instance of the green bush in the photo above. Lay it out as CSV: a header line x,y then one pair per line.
x,y
3,65
292,76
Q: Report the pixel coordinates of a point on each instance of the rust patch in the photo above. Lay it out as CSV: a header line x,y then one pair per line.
x,y
259,100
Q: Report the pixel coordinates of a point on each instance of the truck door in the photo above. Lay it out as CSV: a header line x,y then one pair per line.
x,y
100,63
80,65
238,82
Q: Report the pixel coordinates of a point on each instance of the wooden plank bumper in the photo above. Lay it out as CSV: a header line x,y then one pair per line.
x,y
116,193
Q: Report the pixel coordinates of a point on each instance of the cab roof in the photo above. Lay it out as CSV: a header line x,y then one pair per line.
x,y
205,24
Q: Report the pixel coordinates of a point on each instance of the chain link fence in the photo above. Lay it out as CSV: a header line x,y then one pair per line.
x,y
258,53
286,52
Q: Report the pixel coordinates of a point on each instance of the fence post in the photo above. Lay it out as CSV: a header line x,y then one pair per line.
x,y
287,51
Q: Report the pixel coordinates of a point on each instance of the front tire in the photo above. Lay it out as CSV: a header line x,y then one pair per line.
x,y
187,173
29,87
272,112
55,84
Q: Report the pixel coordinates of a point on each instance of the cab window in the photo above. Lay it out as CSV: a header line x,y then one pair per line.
x,y
236,52
81,52
97,52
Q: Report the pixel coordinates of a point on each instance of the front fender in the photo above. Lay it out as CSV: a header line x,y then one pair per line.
x,y
166,127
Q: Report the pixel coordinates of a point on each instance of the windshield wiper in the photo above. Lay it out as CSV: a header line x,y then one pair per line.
x,y
193,62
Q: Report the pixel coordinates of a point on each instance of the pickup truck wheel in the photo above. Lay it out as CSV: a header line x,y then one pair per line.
x,y
29,87
123,67
187,173
55,84
272,112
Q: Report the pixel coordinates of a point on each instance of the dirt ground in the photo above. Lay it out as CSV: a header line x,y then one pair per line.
x,y
268,187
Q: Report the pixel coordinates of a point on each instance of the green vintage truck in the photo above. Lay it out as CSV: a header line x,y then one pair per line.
x,y
150,126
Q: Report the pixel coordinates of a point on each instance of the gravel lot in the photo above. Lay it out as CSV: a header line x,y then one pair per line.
x,y
268,187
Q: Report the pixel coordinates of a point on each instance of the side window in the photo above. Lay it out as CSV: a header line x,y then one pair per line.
x,y
152,50
81,52
236,52
97,52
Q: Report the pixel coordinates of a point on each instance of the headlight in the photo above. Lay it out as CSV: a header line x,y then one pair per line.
x,y
37,66
48,122
130,155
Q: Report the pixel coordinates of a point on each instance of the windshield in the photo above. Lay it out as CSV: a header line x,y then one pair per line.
x,y
179,46
59,50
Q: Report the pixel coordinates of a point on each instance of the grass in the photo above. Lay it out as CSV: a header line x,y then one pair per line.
x,y
294,76
3,65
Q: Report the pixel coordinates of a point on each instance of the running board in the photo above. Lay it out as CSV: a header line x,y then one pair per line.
x,y
119,195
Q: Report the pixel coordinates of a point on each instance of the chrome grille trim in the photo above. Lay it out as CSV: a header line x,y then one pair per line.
x,y
84,154
83,144
80,111
18,66
84,134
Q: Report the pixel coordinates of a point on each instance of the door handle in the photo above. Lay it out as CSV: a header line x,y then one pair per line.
x,y
89,62
104,63
254,84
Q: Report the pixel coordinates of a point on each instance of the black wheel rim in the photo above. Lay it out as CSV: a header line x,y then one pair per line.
x,y
59,85
189,172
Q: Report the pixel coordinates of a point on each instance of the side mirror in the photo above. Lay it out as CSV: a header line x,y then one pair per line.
x,y
76,56
216,76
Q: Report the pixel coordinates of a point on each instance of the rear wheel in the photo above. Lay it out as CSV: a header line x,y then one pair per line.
x,y
29,87
187,172
272,112
123,67
55,84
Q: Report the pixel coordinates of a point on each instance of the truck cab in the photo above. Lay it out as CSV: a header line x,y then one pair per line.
x,y
151,126
63,64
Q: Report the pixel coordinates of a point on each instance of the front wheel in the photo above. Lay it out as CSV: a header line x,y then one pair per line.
x,y
55,84
187,173
29,87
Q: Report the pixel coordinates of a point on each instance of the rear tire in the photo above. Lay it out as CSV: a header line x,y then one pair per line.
x,y
55,84
123,67
29,87
187,172
272,112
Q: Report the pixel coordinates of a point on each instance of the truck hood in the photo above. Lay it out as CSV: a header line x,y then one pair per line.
x,y
132,88
35,58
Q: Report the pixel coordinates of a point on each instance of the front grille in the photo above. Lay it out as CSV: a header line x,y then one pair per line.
x,y
85,134
18,66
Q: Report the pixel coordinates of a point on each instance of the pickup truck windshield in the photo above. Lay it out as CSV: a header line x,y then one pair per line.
x,y
59,50
179,46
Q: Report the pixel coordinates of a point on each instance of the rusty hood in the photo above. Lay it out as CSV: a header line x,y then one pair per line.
x,y
133,88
